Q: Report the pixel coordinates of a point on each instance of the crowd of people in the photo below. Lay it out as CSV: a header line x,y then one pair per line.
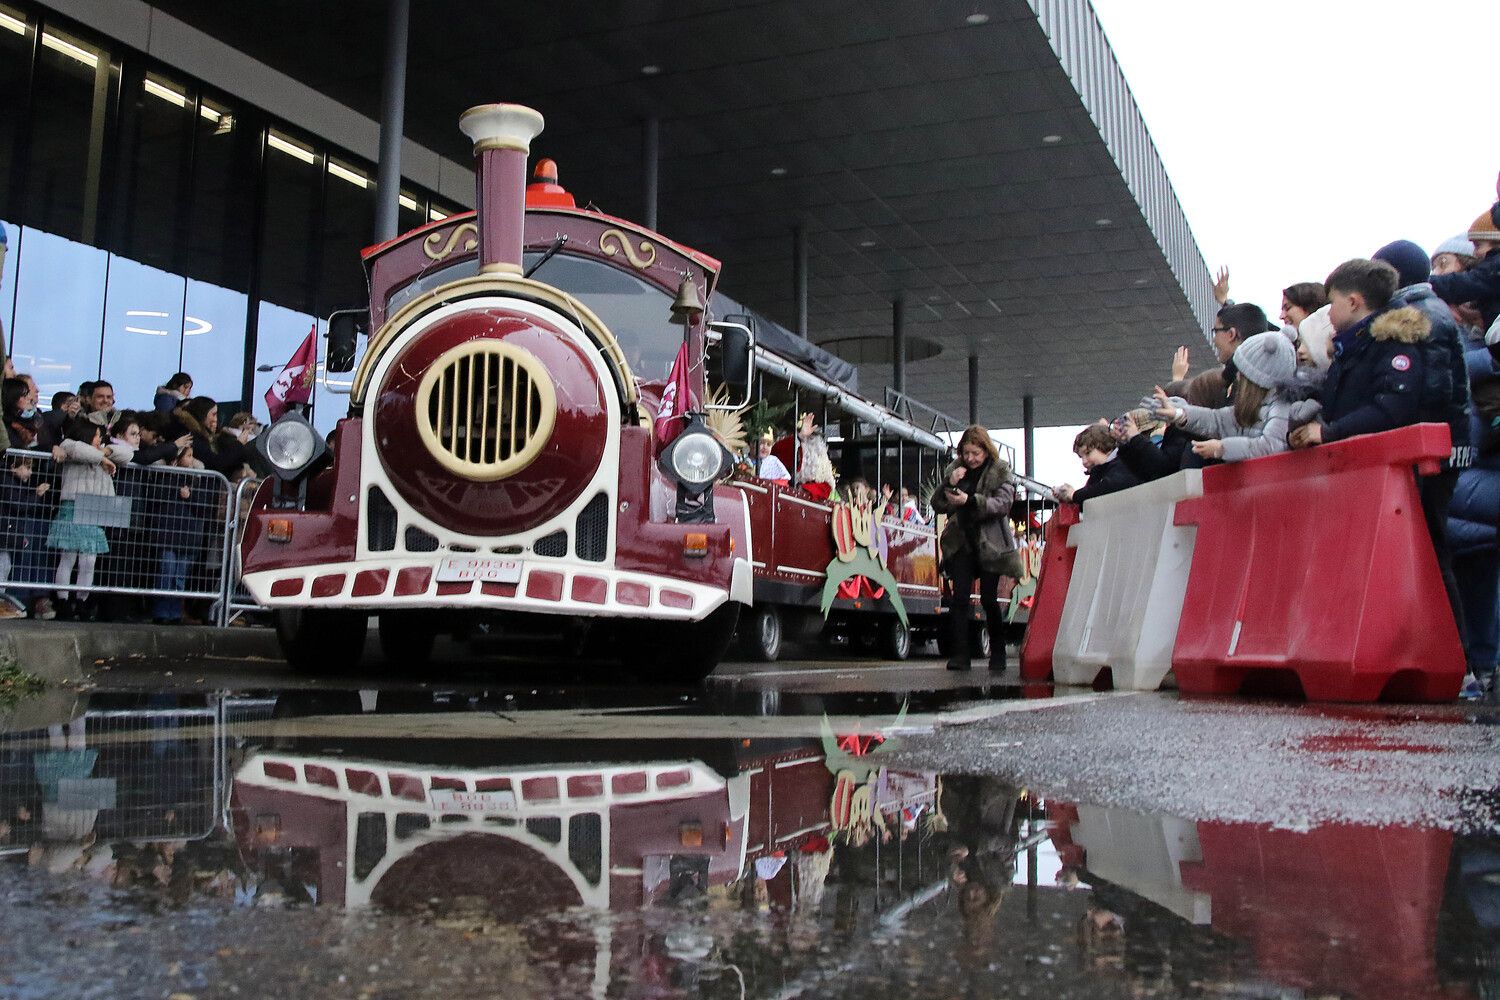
x,y
64,507
1383,342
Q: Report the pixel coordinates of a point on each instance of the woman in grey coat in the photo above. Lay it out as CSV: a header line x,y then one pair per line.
x,y
977,542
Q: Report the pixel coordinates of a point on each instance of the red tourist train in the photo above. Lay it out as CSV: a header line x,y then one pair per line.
x,y
533,439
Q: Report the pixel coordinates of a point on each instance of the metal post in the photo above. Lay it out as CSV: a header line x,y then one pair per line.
x,y
973,388
898,342
799,277
1028,434
392,121
650,160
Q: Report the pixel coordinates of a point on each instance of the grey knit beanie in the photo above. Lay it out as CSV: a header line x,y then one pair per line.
x,y
1267,359
1460,244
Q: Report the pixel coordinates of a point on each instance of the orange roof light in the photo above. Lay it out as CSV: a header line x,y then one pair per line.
x,y
544,191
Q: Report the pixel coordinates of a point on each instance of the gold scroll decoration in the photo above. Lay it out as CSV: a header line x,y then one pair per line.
x,y
613,241
430,246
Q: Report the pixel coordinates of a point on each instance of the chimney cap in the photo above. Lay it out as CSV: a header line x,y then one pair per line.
x,y
501,126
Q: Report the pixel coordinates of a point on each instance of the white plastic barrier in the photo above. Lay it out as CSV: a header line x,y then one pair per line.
x,y
1129,578
1143,854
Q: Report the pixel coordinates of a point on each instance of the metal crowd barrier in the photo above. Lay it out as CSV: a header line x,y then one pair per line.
x,y
169,532
236,600
112,775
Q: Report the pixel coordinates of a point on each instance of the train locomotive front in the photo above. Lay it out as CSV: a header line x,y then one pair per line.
x,y
503,462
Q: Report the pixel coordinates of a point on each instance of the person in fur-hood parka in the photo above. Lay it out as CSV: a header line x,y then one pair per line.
x,y
1376,381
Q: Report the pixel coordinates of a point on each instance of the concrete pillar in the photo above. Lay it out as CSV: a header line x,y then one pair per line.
x,y
973,388
799,277
650,166
392,121
1028,434
898,342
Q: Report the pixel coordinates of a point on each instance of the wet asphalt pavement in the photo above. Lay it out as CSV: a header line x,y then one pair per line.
x,y
810,828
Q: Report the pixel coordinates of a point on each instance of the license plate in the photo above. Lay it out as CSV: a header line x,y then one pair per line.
x,y
485,570
447,800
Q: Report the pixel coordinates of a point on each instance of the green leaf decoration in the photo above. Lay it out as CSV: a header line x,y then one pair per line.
x,y
863,564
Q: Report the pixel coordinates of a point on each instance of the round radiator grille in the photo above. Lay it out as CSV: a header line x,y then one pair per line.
x,y
485,410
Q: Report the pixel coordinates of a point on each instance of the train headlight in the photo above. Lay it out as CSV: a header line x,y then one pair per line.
x,y
291,446
695,458
698,461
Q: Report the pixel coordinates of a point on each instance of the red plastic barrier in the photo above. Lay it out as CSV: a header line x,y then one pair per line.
x,y
1051,591
1318,563
1345,910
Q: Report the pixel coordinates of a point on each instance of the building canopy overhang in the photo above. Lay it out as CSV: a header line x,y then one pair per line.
x,y
982,161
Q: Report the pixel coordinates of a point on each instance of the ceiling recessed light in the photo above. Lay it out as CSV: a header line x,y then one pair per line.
x,y
976,19
1103,222
934,298
778,171
1051,140
1142,281
867,243
650,70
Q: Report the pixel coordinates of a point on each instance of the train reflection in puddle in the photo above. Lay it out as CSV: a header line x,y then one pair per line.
x,y
708,856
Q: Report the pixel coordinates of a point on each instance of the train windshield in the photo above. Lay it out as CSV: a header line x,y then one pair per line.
x,y
638,313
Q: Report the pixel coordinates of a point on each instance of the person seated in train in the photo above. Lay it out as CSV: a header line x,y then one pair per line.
x,y
815,471
911,511
767,465
1255,423
1095,447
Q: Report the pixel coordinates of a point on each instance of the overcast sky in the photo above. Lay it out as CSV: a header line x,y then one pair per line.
x,y
1300,134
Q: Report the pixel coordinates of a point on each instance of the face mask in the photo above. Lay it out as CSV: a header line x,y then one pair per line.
x,y
28,414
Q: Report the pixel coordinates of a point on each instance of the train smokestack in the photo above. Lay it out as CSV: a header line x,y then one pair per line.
x,y
502,135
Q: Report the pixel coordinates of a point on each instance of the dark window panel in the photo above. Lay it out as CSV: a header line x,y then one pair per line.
x,y
348,227
16,41
70,101
290,239
220,242
155,155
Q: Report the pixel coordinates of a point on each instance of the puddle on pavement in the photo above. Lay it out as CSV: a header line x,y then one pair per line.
x,y
181,844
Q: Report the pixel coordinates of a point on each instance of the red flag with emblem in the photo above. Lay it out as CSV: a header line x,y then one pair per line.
x,y
295,383
676,399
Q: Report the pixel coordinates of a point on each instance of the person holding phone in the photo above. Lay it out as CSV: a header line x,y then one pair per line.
x,y
977,542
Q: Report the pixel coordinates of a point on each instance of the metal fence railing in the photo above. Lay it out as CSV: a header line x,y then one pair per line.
x,y
114,774
236,600
164,537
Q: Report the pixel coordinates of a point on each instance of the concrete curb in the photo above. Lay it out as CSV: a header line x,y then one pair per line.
x,y
65,652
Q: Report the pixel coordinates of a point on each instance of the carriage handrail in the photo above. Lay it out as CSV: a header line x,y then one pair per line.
x,y
846,400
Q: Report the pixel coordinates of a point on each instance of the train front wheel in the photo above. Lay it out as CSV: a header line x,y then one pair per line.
x,y
684,652
321,640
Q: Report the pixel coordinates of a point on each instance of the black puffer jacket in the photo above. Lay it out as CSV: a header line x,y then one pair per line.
x,y
1445,382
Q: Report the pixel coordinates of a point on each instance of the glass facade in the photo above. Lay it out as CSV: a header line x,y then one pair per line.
x,y
155,226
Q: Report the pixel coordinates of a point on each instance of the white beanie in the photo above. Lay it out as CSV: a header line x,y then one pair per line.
x,y
1317,332
1460,244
